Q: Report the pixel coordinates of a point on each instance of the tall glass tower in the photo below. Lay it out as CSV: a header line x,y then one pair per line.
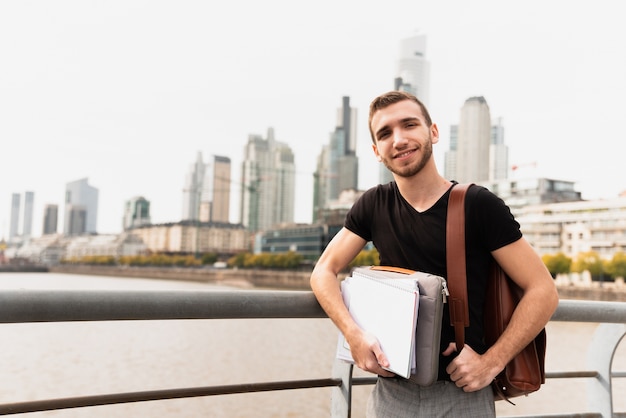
x,y
469,157
136,213
81,208
206,195
50,219
268,183
413,76
16,203
337,165
27,225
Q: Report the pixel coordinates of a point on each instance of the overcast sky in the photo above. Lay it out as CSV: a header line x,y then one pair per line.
x,y
126,92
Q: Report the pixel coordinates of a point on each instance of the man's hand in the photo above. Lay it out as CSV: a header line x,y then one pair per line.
x,y
470,370
368,355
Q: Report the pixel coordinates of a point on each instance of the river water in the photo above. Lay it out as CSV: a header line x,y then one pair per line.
x,y
42,361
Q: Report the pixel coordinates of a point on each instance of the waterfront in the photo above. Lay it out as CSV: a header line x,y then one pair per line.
x,y
72,359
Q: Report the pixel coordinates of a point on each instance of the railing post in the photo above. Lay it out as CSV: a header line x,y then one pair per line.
x,y
341,397
600,358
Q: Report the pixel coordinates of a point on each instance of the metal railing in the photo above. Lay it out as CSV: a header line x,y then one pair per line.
x,y
24,306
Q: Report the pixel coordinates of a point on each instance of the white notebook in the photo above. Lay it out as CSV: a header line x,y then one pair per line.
x,y
387,308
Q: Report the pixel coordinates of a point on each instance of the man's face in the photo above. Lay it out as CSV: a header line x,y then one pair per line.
x,y
403,140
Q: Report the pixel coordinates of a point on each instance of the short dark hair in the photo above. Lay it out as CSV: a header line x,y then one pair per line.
x,y
392,97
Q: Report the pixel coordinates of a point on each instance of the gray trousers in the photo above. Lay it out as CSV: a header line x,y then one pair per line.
x,y
399,398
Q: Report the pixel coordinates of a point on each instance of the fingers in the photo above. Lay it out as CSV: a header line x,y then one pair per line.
x,y
376,360
383,362
451,349
381,358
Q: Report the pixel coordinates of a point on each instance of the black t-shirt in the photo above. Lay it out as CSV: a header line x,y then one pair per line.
x,y
416,240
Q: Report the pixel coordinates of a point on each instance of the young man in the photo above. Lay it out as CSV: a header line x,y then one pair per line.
x,y
406,221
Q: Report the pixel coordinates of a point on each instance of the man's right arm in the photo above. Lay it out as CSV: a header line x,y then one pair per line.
x,y
338,254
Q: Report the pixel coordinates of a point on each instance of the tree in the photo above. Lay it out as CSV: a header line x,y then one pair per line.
x,y
366,258
617,266
591,262
209,258
557,263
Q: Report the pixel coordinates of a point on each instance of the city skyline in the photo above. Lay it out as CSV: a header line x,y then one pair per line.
x,y
129,108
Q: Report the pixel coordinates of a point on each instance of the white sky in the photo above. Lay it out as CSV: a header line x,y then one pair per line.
x,y
125,92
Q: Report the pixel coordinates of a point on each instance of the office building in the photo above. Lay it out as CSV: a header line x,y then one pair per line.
x,y
14,226
337,165
27,224
532,191
21,220
195,238
215,199
576,227
498,153
50,219
268,183
136,213
75,220
206,194
468,159
81,208
412,68
413,76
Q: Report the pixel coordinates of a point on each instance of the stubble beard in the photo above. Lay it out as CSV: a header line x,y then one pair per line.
x,y
413,169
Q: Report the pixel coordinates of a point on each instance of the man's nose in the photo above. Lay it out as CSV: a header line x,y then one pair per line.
x,y
399,138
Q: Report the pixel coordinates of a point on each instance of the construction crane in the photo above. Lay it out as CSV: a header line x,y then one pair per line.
x,y
516,167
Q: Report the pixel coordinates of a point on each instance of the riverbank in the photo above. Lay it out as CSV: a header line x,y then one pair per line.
x,y
291,280
243,278
23,269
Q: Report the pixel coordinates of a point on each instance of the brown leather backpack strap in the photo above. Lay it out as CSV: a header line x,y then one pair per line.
x,y
456,263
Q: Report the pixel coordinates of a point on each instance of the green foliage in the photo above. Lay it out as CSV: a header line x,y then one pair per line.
x,y
617,266
366,258
92,260
289,260
208,258
557,263
590,261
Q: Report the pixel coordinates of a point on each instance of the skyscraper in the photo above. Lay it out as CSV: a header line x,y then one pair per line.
x,y
206,195
75,221
412,68
15,216
26,217
27,225
498,153
337,165
193,190
268,183
413,76
136,213
81,208
215,199
50,219
471,157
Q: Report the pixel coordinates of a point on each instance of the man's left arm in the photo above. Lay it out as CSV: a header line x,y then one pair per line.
x,y
540,299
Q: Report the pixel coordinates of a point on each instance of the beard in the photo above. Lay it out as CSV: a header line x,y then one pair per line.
x,y
415,167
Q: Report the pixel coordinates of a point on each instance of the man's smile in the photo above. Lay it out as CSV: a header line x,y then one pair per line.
x,y
404,154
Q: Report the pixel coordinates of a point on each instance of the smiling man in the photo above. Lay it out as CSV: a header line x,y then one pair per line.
x,y
406,222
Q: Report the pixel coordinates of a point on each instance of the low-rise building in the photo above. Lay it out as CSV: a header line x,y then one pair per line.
x,y
115,245
576,227
308,240
519,193
194,237
46,250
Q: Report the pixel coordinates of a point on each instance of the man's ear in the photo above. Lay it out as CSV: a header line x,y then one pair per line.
x,y
434,133
375,149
